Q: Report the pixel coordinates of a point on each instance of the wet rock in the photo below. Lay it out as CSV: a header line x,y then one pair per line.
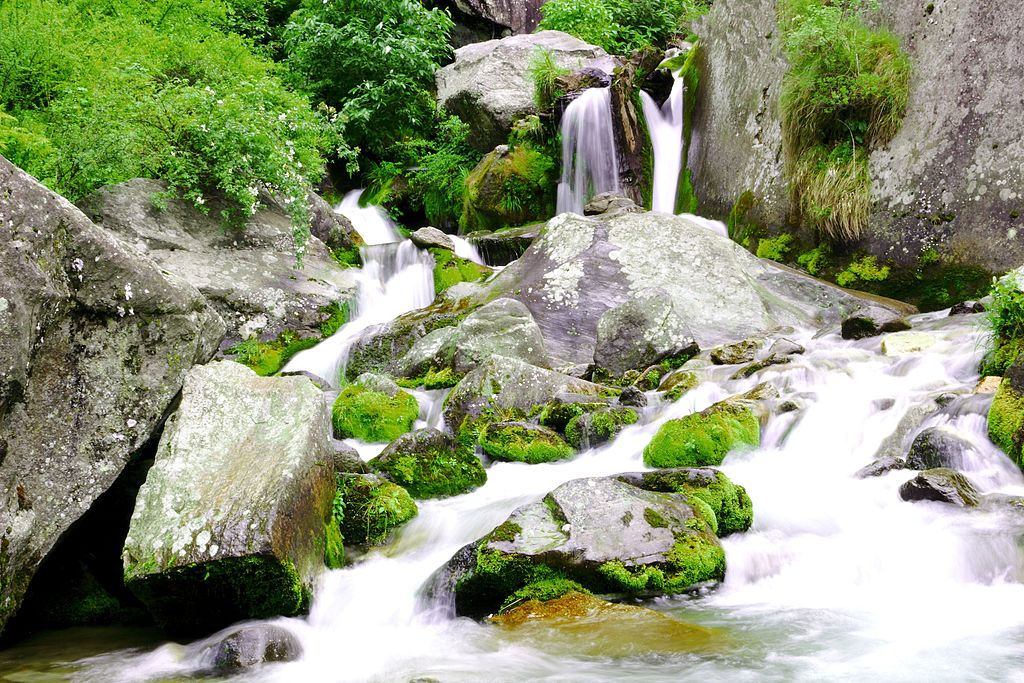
x,y
881,466
502,247
872,321
1006,416
729,509
941,485
429,237
372,508
704,438
523,442
758,366
641,332
901,343
488,86
938,447
785,347
604,534
494,17
430,464
988,385
967,308
580,267
250,646
898,443
504,327
610,204
346,458
598,427
486,206
507,385
230,523
318,381
734,354
677,384
95,343
632,396
250,276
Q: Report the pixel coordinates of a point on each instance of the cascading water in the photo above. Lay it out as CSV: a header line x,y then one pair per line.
x,y
396,278
838,579
666,128
589,165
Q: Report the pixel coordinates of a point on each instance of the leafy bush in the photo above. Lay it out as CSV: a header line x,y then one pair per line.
x,y
846,91
775,248
622,26
1005,318
373,60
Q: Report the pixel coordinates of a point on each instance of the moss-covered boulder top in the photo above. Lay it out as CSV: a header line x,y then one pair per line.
x,y
522,442
230,523
367,508
609,535
704,438
430,464
373,409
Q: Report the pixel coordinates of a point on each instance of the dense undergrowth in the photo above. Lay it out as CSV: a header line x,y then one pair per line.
x,y
622,26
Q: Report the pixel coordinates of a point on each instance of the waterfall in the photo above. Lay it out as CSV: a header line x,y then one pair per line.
x,y
589,166
396,278
666,129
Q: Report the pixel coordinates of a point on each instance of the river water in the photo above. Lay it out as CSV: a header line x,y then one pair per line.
x,y
837,580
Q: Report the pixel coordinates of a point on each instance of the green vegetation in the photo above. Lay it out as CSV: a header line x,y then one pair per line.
x,y
267,358
846,92
725,506
865,269
511,188
622,26
591,429
1005,318
686,197
704,438
695,558
1006,422
450,269
373,416
775,248
542,591
544,72
372,508
520,442
433,470
677,384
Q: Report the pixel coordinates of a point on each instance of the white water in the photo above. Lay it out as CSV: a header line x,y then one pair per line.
x,y
465,249
665,125
589,165
838,579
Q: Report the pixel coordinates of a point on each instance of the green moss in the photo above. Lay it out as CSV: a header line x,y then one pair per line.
x,y
373,416
547,589
703,438
510,189
205,596
725,506
337,315
593,429
1006,422
334,547
686,196
506,532
649,379
1006,320
519,442
434,471
677,384
865,269
267,358
654,518
373,508
775,248
445,378
696,557
450,270
556,414
348,258
816,260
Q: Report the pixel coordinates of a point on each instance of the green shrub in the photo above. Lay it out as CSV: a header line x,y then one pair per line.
x,y
370,508
589,20
622,26
1005,318
846,91
703,439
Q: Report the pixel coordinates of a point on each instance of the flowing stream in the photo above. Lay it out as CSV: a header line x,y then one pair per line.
x,y
589,166
666,129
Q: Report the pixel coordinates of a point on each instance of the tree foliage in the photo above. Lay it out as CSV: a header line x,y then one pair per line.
x,y
622,26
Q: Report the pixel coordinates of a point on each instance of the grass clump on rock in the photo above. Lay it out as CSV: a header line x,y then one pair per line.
x,y
522,442
704,438
1006,320
373,416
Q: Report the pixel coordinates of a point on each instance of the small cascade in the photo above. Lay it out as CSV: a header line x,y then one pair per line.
x,y
589,166
465,249
666,128
396,278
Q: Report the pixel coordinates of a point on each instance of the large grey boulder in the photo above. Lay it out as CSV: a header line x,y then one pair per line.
x,y
508,386
250,275
489,87
95,342
608,534
581,267
503,327
231,521
641,332
951,180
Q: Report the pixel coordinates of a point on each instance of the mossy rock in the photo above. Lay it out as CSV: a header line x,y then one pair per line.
x,y
430,464
1006,416
373,416
509,187
370,508
522,442
703,439
557,414
729,508
592,429
450,269
677,384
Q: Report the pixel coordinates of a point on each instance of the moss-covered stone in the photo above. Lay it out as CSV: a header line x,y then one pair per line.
x,y
695,558
432,378
370,508
542,591
703,438
509,187
334,547
450,269
729,508
522,442
430,464
269,356
373,416
557,414
677,384
592,429
1006,416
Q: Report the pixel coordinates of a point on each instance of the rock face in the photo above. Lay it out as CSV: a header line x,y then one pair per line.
x,y
249,275
488,86
606,534
872,321
581,267
253,645
428,237
950,180
95,342
230,523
